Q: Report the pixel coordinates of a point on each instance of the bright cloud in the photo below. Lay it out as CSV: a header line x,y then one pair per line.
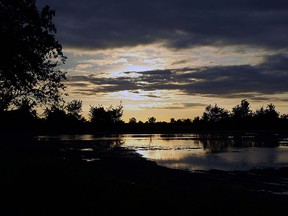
x,y
178,58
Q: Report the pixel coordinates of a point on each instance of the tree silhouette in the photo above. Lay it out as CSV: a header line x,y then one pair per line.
x,y
242,111
30,55
267,118
26,107
151,120
271,112
55,115
172,120
214,113
74,108
132,120
115,113
103,118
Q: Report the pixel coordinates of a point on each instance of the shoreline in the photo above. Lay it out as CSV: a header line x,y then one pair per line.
x,y
156,131
52,179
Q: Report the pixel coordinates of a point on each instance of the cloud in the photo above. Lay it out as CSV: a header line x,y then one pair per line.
x,y
173,106
187,105
179,62
267,78
177,24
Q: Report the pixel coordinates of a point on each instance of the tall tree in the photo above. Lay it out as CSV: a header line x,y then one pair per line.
x,y
132,120
152,120
30,55
269,113
242,111
74,108
102,117
214,113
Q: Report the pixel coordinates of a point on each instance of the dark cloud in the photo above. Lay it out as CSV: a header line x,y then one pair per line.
x,y
179,62
179,106
178,23
244,81
182,106
187,105
268,77
152,96
104,85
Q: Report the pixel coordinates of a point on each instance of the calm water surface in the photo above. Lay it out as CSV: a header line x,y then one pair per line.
x,y
196,152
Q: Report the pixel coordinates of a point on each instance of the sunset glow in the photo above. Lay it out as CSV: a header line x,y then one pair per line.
x,y
170,107
159,64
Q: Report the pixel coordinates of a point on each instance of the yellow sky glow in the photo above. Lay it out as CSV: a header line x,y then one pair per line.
x,y
162,104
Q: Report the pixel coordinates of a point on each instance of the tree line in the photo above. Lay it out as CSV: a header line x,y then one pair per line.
x,y
216,118
68,118
30,79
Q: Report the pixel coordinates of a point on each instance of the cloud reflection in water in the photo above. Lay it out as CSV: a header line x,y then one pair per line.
x,y
206,153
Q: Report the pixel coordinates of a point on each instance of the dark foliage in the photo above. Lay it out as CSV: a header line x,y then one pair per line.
x,y
67,118
242,118
214,114
106,118
30,55
215,118
74,108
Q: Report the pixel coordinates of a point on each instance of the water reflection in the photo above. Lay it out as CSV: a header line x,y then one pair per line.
x,y
187,151
256,140
211,151
214,145
84,147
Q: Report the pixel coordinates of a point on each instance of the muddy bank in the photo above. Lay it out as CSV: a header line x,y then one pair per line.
x,y
59,178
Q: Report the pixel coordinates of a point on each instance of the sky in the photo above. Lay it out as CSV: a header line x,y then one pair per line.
x,y
172,58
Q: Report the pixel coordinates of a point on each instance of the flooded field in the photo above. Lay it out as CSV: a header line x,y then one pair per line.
x,y
198,152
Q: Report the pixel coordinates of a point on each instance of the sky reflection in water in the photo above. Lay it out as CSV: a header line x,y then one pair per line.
x,y
195,152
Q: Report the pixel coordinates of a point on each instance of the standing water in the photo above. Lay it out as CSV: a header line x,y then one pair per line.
x,y
201,152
